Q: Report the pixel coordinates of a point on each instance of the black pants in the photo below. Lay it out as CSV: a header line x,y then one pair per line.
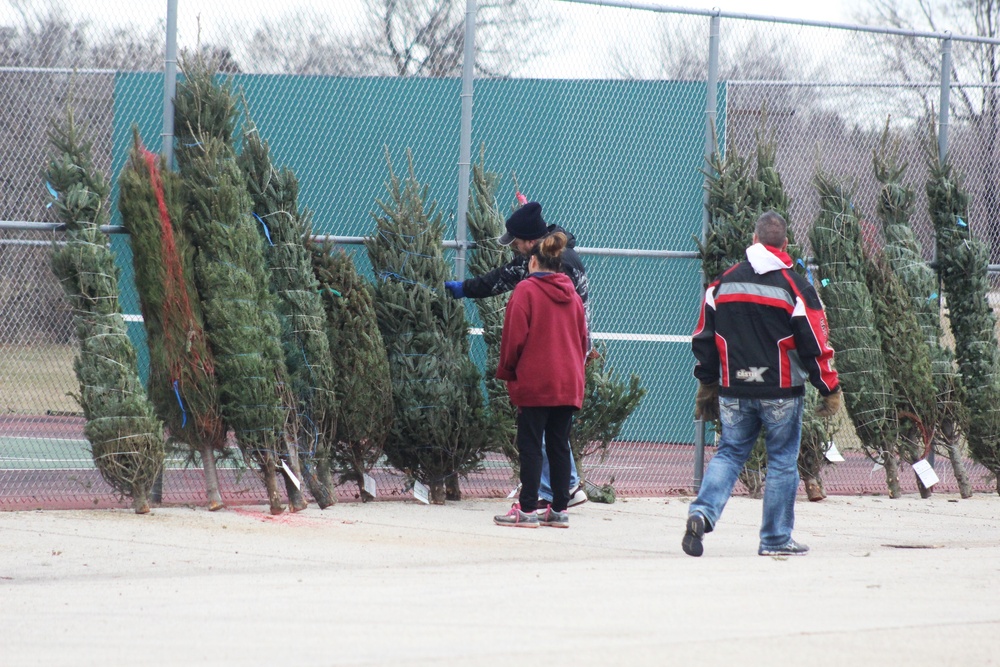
x,y
554,423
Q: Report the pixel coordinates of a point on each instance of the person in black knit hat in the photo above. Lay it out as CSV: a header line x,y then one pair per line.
x,y
525,229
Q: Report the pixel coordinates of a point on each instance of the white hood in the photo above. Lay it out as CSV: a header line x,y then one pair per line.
x,y
764,261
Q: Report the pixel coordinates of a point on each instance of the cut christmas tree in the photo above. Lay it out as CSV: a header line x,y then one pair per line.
x,y
486,225
182,382
864,376
299,306
126,438
360,366
903,253
243,329
962,266
439,430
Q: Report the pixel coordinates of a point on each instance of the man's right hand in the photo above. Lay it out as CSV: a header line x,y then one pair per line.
x,y
829,404
455,288
706,402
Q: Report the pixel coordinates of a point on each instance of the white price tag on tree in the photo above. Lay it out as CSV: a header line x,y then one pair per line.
x,y
370,487
288,471
832,454
926,473
421,492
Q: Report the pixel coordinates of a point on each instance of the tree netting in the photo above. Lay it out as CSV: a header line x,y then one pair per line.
x,y
486,224
905,352
864,376
233,283
126,438
240,319
439,430
360,365
182,383
902,251
300,308
962,266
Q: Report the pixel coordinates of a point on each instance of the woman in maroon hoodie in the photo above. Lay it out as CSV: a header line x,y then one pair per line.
x,y
543,351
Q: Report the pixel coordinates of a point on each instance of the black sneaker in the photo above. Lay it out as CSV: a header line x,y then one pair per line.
x,y
793,548
692,536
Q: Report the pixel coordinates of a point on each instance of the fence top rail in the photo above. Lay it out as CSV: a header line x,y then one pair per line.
x,y
884,30
57,70
791,83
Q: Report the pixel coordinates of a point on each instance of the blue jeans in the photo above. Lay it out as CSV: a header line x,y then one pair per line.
x,y
741,420
545,486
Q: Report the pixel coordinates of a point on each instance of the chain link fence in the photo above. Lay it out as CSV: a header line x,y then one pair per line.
x,y
596,111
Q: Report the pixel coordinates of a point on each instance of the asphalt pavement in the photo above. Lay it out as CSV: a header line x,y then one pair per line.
x,y
906,581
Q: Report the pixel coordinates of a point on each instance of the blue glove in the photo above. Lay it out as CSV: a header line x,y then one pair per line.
x,y
455,287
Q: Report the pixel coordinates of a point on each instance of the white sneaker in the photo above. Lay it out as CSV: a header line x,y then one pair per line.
x,y
577,496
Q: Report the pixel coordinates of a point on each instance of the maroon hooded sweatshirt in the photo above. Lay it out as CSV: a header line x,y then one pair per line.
x,y
544,346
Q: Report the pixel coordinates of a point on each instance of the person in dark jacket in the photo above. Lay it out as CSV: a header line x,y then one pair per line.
x,y
525,230
543,351
762,333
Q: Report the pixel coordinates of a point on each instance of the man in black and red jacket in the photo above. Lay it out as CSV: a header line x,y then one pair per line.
x,y
762,333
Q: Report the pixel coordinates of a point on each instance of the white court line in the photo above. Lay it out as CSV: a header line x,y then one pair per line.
x,y
600,335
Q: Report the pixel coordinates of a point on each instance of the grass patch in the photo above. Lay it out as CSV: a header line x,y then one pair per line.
x,y
37,379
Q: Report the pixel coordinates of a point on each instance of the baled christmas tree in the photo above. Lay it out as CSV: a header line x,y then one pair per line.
x,y
233,283
240,318
439,428
836,244
903,253
182,382
962,265
299,307
126,438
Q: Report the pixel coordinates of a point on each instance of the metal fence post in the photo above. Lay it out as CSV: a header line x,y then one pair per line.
x,y
943,112
169,85
465,145
711,140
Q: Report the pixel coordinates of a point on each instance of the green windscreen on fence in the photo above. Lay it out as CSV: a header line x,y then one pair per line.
x,y
617,163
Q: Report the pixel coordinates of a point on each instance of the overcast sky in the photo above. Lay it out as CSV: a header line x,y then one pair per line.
x,y
216,11
581,47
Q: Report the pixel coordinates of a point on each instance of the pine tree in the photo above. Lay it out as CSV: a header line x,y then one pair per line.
x,y
487,225
903,253
905,351
962,266
864,376
233,282
299,306
126,438
240,318
360,366
731,218
182,383
771,196
439,428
